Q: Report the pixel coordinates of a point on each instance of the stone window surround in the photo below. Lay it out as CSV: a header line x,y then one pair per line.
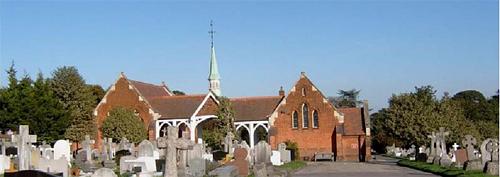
x,y
304,105
293,120
313,124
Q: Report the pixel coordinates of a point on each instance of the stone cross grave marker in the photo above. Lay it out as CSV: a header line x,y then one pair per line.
x,y
468,142
104,149
24,140
487,150
3,143
433,144
171,143
455,146
493,149
228,142
125,145
442,141
87,147
109,145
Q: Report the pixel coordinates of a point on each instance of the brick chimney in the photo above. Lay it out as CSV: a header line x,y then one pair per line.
x,y
282,92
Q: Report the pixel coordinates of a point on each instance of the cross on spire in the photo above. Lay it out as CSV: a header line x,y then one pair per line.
x,y
211,32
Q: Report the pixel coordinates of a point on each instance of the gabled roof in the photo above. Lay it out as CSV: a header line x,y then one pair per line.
x,y
181,107
173,107
254,108
353,121
150,90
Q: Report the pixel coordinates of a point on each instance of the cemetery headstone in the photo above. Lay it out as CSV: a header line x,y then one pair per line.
x,y
461,157
262,153
54,166
472,163
276,158
24,140
225,171
62,148
432,153
239,161
4,163
228,142
196,162
285,154
491,149
87,145
104,172
171,143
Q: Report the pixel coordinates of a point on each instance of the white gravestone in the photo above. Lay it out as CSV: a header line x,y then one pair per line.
x,y
24,140
62,148
276,158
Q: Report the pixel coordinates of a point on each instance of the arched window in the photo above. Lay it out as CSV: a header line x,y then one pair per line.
x,y
315,119
295,119
305,116
303,91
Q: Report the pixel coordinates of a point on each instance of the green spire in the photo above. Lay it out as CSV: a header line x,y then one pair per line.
x,y
214,70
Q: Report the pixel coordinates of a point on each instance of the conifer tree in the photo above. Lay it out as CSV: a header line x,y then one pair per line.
x,y
75,97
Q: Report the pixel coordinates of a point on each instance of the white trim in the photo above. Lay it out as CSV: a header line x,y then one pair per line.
x,y
111,89
251,126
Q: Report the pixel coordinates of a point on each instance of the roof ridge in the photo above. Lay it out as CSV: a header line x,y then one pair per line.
x,y
141,82
253,97
179,96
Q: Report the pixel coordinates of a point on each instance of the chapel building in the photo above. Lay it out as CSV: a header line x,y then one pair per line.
x,y
303,115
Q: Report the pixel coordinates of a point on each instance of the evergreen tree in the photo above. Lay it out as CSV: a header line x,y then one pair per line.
x,y
74,95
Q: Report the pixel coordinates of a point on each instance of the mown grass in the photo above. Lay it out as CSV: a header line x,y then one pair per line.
x,y
442,171
294,165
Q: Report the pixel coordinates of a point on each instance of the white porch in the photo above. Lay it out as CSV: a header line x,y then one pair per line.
x,y
251,126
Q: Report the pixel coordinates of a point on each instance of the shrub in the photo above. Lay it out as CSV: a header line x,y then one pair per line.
x,y
294,148
123,122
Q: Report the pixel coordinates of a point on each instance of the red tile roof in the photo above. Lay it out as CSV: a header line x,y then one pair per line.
x,y
254,108
150,90
173,107
353,121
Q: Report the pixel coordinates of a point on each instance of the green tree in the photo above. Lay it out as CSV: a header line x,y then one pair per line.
x,y
214,134
178,92
30,102
122,122
49,120
97,92
348,98
475,105
412,116
75,96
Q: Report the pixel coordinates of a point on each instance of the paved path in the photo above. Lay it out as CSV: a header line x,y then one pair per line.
x,y
382,167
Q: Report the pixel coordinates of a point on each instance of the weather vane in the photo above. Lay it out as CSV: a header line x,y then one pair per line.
x,y
211,32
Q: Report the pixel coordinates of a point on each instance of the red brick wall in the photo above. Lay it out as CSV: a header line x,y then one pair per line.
x,y
350,148
309,139
124,97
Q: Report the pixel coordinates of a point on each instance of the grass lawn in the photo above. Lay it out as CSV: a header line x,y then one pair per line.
x,y
294,165
442,171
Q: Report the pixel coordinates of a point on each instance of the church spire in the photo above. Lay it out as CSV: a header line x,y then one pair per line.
x,y
213,77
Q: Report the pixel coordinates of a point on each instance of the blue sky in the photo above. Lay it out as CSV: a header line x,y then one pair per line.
x,y
380,47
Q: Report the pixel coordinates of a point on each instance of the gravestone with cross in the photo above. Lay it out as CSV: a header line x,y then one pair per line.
x,y
492,164
171,143
87,147
228,142
442,138
468,142
472,163
432,153
24,140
